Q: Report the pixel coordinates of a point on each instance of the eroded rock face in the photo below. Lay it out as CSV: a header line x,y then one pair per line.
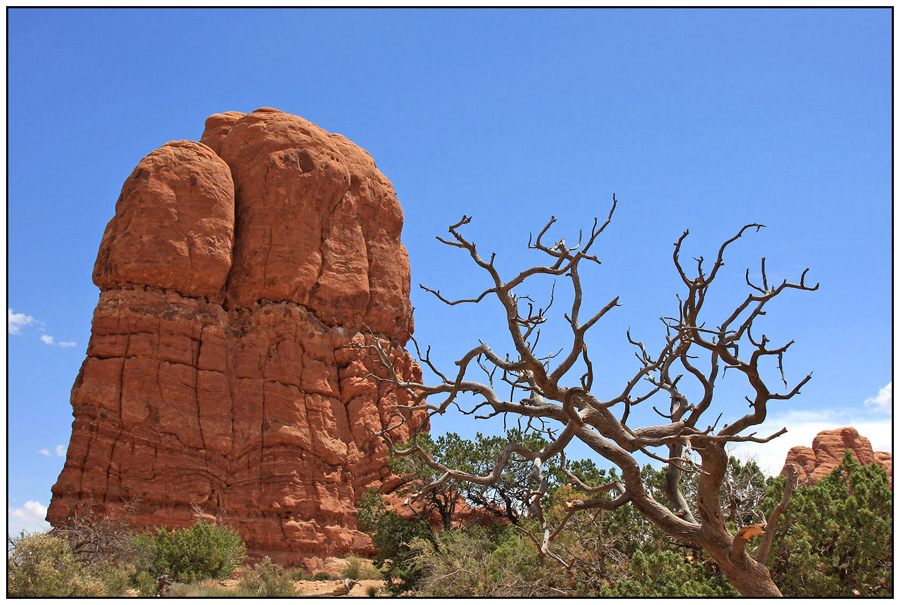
x,y
233,276
827,451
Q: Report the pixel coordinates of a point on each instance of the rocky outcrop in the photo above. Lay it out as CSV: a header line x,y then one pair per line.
x,y
826,453
886,461
234,275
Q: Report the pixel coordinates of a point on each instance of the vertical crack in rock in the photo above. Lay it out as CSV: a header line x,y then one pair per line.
x,y
232,275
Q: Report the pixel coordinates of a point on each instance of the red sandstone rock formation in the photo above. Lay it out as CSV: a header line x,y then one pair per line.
x,y
827,451
232,277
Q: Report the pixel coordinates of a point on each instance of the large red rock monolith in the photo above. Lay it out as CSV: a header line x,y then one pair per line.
x,y
233,276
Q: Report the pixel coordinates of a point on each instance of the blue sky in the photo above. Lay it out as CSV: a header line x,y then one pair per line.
x,y
699,119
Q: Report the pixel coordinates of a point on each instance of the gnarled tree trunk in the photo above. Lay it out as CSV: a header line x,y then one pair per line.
x,y
696,348
748,577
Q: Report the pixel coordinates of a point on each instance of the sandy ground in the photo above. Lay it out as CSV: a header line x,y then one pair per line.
x,y
328,588
313,587
308,588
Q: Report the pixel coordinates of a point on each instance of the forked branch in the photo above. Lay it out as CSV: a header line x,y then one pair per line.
x,y
684,374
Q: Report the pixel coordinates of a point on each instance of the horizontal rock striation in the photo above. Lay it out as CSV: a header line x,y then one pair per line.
x,y
234,275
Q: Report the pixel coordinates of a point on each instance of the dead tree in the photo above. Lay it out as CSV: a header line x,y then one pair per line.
x,y
694,350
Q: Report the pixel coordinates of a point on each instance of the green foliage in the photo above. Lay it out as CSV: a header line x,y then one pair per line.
x,y
620,553
201,551
610,553
508,498
449,450
392,535
744,488
322,576
42,565
357,568
475,562
666,572
143,581
836,539
298,574
369,510
267,579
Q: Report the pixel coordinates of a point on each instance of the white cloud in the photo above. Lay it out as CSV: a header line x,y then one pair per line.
x,y
60,451
884,400
16,321
32,509
28,518
50,341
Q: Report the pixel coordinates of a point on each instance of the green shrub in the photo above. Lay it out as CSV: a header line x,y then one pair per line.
x,y
267,579
357,568
42,565
682,577
393,536
836,538
485,562
116,577
201,551
322,576
298,574
352,567
145,582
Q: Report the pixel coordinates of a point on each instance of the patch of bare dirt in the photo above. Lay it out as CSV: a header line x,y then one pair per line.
x,y
336,588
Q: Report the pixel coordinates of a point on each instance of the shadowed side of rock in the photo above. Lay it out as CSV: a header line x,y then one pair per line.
x,y
233,276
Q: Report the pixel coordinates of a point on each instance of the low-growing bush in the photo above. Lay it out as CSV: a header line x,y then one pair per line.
x,y
204,589
298,574
42,565
198,552
357,568
836,538
91,557
393,536
144,582
267,579
478,562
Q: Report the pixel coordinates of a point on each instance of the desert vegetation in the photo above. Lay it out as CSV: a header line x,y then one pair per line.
x,y
551,392
834,539
99,556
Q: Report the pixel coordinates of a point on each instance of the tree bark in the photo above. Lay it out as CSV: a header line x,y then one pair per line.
x,y
537,394
749,578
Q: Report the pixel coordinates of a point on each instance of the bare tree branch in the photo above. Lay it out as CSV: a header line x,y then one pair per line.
x,y
762,552
692,354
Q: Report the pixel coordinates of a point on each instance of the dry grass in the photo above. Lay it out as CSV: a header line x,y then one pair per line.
x,y
368,582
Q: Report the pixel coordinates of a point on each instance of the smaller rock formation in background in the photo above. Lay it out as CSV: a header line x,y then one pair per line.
x,y
827,451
